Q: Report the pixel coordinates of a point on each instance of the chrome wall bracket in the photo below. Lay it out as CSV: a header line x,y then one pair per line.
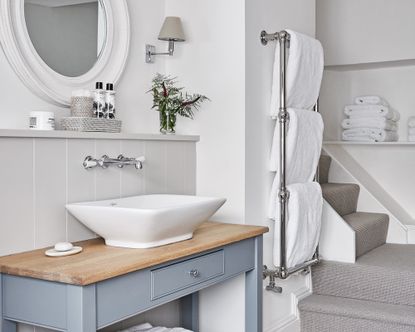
x,y
120,162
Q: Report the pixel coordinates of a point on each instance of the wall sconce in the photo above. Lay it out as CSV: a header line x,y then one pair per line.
x,y
171,31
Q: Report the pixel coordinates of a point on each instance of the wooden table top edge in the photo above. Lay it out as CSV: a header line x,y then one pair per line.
x,y
10,265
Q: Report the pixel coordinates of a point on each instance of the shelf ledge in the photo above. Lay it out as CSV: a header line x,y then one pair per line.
x,y
399,143
27,133
371,65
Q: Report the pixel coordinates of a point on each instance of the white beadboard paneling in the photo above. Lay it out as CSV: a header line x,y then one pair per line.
x,y
107,180
132,179
16,195
50,191
156,167
176,168
81,185
190,169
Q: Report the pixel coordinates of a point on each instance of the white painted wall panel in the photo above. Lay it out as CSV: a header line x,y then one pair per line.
x,y
358,31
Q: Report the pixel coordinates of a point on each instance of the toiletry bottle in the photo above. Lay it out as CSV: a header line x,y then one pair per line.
x,y
99,100
110,102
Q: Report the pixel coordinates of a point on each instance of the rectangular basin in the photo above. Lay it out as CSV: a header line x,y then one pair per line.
x,y
146,221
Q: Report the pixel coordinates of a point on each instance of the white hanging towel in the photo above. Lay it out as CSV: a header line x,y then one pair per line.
x,y
303,224
304,73
303,148
370,100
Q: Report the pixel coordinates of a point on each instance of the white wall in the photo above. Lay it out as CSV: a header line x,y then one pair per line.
x,y
211,62
356,31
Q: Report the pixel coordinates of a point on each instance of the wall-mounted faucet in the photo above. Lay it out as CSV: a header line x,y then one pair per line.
x,y
120,162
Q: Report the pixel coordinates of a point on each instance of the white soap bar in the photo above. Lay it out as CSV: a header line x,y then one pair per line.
x,y
63,246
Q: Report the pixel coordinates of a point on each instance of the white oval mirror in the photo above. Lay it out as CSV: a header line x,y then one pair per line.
x,y
57,46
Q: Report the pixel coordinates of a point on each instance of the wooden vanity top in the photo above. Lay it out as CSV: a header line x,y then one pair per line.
x,y
99,262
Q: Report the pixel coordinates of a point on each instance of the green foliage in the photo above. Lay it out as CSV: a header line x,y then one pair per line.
x,y
168,98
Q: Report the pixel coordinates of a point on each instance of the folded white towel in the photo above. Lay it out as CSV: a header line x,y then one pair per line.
x,y
411,131
366,111
302,225
305,67
376,122
411,122
370,135
371,100
147,327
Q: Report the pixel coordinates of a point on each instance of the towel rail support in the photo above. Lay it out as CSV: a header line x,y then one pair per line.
x,y
282,272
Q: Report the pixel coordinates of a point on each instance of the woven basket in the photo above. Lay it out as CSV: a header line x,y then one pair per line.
x,y
91,124
82,107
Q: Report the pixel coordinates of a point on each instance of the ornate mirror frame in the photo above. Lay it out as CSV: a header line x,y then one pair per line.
x,y
44,81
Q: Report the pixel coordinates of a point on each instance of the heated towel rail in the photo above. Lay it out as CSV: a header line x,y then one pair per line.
x,y
282,271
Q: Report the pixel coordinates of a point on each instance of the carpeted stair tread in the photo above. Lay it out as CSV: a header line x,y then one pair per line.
x,y
385,274
342,197
393,256
328,313
371,230
323,169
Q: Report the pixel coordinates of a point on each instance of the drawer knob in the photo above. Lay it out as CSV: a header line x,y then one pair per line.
x,y
194,273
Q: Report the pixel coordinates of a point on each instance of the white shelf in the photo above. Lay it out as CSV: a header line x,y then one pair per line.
x,y
27,133
371,65
399,143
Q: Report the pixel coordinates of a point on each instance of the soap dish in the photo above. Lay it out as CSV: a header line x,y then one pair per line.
x,y
56,253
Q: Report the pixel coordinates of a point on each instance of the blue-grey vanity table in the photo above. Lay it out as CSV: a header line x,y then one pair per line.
x,y
104,285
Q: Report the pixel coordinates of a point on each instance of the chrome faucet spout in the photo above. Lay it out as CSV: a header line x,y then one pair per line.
x,y
120,161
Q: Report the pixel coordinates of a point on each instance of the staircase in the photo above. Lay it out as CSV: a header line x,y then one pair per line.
x,y
377,293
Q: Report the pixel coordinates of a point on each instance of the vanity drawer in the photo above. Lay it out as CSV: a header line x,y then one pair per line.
x,y
173,278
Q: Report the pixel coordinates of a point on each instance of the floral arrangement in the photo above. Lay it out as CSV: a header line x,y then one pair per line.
x,y
170,101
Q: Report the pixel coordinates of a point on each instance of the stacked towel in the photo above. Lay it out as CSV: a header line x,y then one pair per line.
x,y
370,119
370,100
149,328
411,129
305,67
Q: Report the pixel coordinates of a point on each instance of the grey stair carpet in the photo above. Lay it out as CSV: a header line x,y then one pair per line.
x,y
371,230
342,197
323,169
377,293
385,274
320,313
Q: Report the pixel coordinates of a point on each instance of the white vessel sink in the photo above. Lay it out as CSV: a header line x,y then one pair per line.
x,y
146,221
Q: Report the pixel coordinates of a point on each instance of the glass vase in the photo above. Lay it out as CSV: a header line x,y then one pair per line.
x,y
167,123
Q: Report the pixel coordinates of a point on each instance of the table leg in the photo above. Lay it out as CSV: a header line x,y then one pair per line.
x,y
81,309
190,312
253,292
5,325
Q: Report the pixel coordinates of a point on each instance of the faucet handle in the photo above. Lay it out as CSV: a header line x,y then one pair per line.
x,y
89,162
139,162
102,162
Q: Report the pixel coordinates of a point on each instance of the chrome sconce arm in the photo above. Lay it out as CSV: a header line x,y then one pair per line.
x,y
151,51
120,162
